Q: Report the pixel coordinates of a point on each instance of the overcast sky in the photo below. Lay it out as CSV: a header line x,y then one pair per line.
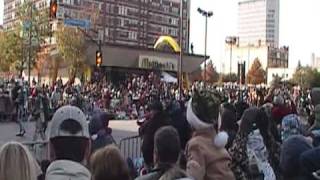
x,y
299,27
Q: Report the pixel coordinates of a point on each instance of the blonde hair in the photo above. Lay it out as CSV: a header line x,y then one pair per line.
x,y
108,163
17,163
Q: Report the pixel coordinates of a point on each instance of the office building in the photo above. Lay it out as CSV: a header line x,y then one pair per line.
x,y
127,22
269,57
315,61
258,23
130,22
11,8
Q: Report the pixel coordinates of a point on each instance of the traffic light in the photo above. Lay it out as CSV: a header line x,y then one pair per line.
x,y
98,58
53,8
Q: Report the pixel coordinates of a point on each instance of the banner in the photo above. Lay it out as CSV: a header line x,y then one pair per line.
x,y
159,63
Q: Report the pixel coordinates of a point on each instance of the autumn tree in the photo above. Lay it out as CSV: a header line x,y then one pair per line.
x,y
212,75
228,78
72,47
256,74
25,40
306,77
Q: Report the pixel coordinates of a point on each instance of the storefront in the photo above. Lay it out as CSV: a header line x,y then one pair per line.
x,y
121,60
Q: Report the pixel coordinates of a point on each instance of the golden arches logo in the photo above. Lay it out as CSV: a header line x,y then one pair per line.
x,y
164,42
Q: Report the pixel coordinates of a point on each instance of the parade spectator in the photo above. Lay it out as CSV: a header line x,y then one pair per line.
x,y
166,153
291,150
254,133
17,163
157,119
175,173
99,131
69,141
229,122
310,163
207,158
108,164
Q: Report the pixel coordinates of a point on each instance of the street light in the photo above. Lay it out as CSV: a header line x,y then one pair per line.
x,y
231,40
206,14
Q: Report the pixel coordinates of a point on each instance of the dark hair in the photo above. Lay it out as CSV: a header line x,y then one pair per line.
x,y
70,148
167,144
263,124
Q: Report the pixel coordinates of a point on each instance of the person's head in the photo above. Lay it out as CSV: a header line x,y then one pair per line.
x,y
166,145
291,150
203,110
108,163
291,125
69,135
16,162
278,100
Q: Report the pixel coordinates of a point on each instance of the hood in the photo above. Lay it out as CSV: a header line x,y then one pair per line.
x,y
67,170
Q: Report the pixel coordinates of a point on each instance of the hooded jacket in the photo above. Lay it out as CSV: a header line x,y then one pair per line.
x,y
67,170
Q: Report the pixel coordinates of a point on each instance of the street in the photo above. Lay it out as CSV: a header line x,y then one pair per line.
x,y
120,129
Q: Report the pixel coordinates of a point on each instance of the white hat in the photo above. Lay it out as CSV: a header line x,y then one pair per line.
x,y
66,113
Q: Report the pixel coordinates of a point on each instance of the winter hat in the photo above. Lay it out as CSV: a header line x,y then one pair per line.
x,y
203,113
203,109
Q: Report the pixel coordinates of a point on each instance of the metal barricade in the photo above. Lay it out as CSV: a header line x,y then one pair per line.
x,y
130,147
39,149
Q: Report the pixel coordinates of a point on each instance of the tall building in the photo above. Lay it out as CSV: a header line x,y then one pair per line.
x,y
315,61
258,22
11,8
130,22
127,22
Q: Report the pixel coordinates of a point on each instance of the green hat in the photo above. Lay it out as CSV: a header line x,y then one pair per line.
x,y
205,105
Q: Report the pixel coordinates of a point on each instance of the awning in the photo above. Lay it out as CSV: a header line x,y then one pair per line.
x,y
168,78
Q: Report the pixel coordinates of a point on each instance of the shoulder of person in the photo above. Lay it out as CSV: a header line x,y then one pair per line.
x,y
151,176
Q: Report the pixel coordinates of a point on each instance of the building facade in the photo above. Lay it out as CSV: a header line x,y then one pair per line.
x,y
258,23
130,22
315,61
269,57
284,73
126,22
11,8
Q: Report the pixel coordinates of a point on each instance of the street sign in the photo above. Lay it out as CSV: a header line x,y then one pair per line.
x,y
78,23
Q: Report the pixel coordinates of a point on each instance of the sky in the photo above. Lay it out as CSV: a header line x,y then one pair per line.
x,y
299,28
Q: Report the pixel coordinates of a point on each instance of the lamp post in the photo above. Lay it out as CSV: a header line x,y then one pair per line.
x,y
231,40
206,14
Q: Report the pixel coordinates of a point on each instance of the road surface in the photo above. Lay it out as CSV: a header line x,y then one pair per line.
x,y
120,129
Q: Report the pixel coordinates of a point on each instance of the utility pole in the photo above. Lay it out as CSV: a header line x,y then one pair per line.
x,y
30,46
206,14
181,50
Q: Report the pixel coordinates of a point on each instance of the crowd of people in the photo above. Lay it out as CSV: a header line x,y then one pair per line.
x,y
208,134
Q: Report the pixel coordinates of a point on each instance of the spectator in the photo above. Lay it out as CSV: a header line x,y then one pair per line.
x,y
158,119
206,159
99,131
108,164
229,122
291,125
280,109
69,141
166,153
254,145
291,151
17,163
175,173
